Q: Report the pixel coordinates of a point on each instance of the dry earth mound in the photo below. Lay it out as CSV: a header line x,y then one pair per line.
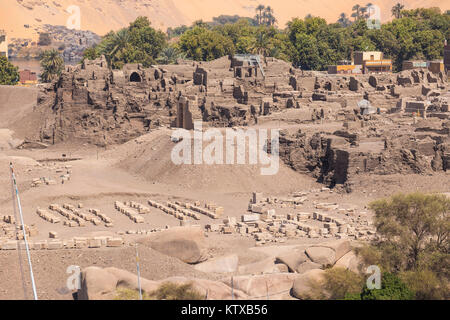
x,y
149,157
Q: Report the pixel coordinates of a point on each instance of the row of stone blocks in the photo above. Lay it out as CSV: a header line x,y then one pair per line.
x,y
185,212
211,211
47,216
75,243
269,224
107,220
331,225
130,213
69,215
168,210
82,215
141,209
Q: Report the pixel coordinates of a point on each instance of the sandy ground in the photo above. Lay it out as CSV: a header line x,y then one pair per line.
x,y
140,170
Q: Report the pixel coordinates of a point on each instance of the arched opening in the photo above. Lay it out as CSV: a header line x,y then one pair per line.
x,y
135,77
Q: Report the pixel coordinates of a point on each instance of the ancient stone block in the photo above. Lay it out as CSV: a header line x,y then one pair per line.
x,y
54,245
114,242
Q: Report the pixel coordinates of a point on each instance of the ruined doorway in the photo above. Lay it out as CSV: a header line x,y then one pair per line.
x,y
135,77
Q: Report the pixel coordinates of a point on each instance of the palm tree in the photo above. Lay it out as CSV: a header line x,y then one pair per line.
x,y
261,44
114,45
397,10
259,14
357,11
344,20
169,55
363,12
268,16
367,9
272,20
52,65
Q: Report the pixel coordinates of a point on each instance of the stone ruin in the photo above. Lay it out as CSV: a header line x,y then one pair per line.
x,y
402,127
266,225
93,104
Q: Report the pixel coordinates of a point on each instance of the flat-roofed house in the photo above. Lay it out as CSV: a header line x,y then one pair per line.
x,y
372,61
360,56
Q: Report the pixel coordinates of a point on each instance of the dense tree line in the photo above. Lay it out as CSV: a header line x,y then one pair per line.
x,y
139,43
313,44
309,43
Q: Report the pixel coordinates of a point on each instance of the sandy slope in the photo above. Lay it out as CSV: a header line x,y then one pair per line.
x,y
150,158
102,16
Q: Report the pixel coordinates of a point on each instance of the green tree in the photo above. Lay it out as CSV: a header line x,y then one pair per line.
x,y
425,284
176,32
259,15
340,282
261,43
356,12
344,20
9,74
139,43
269,18
412,224
90,54
202,44
397,10
169,55
52,65
392,288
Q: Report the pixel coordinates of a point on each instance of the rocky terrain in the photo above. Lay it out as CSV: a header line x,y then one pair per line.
x,y
92,155
72,43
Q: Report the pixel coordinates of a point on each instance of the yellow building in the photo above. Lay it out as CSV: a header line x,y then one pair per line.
x,y
383,65
3,44
436,66
344,69
360,56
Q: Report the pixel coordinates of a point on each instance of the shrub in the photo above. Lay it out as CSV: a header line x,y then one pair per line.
x,y
173,291
340,283
425,285
129,294
392,288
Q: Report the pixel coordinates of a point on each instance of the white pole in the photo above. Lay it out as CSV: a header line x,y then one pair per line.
x,y
33,284
138,273
232,288
19,250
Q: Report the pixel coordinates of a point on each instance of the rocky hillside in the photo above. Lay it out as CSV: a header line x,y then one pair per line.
x,y
24,18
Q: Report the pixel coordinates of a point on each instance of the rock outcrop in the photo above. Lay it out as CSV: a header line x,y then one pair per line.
x,y
185,243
